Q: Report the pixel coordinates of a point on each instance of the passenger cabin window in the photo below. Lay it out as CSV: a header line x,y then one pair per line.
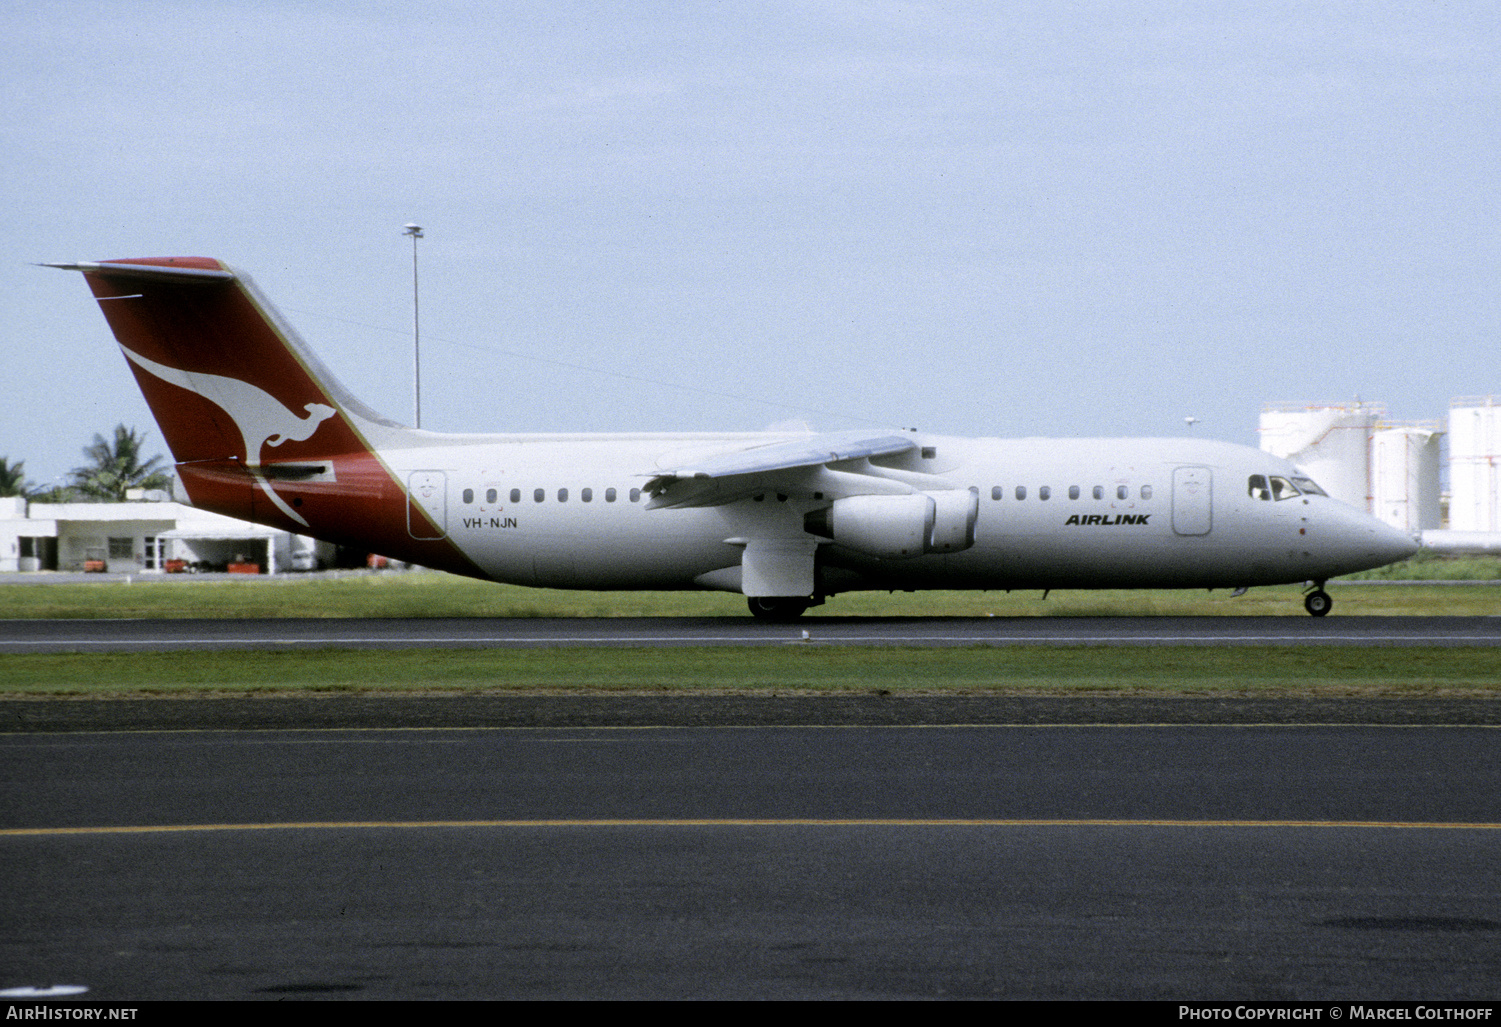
x,y
609,495
1121,492
587,495
1045,493
1146,492
491,495
468,495
562,495
635,495
1021,492
515,495
1073,492
1099,492
539,495
996,492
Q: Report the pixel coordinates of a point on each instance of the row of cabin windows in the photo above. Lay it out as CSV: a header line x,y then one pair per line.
x,y
1044,492
1074,492
540,495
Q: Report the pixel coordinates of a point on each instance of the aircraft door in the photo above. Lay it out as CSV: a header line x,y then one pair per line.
x,y
427,505
1193,504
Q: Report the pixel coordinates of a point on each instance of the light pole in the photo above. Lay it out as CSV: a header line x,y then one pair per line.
x,y
415,231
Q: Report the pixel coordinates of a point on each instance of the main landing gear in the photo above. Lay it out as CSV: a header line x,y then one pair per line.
x,y
1317,601
779,609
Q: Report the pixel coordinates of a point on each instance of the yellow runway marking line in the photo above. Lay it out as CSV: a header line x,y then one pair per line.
x,y
737,822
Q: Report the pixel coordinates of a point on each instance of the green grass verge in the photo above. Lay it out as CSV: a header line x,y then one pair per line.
x,y
1284,671
431,594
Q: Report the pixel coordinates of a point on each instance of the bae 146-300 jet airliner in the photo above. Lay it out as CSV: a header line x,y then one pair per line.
x,y
260,430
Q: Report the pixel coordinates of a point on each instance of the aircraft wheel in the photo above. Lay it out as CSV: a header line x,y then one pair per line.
x,y
777,608
1318,602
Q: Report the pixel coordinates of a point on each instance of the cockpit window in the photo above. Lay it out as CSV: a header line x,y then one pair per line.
x,y
1282,488
1272,487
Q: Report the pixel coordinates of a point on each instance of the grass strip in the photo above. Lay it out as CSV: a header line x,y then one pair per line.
x,y
1291,671
431,594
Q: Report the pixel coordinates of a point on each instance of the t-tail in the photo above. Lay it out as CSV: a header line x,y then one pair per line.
x,y
259,429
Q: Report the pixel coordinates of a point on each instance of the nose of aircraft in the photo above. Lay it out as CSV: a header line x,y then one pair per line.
x,y
1359,541
1392,544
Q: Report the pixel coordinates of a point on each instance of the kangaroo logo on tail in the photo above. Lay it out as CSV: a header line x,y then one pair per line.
x,y
262,419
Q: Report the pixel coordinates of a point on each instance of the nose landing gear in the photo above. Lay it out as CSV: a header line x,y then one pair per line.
x,y
1317,601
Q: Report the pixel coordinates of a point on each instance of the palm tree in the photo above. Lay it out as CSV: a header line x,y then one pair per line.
x,y
116,466
13,478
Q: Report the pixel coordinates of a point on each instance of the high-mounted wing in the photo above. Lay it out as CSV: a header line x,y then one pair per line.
x,y
795,465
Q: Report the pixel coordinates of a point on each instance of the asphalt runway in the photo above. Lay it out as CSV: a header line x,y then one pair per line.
x,y
1122,860
43,636
751,847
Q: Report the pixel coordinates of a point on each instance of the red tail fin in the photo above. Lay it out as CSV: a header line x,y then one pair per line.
x,y
224,379
259,429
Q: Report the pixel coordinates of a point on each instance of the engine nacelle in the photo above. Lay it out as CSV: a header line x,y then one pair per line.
x,y
900,527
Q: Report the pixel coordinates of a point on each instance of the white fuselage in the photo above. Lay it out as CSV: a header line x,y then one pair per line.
x,y
567,512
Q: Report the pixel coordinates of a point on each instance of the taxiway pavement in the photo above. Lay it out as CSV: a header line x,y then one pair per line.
x,y
41,636
751,846
1088,860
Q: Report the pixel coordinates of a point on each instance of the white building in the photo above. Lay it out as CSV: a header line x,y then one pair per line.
x,y
1329,441
1405,476
140,538
1475,464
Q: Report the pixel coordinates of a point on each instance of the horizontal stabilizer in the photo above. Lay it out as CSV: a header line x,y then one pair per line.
x,y
177,273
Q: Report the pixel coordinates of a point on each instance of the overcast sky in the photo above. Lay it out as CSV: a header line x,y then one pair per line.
x,y
983,219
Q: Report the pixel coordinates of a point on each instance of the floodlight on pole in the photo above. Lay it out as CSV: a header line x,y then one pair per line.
x,y
415,231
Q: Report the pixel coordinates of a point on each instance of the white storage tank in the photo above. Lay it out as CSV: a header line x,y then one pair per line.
x,y
1404,475
1330,442
1474,456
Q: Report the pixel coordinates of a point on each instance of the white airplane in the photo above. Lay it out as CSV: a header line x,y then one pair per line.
x,y
261,431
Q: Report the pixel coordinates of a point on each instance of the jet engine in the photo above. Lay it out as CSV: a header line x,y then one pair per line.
x,y
900,527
